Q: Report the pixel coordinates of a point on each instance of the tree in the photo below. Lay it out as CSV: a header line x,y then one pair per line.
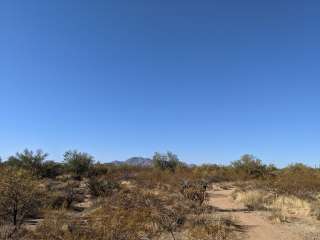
x,y
250,166
19,196
78,163
168,161
28,160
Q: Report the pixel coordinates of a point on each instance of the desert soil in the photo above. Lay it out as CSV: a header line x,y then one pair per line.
x,y
256,227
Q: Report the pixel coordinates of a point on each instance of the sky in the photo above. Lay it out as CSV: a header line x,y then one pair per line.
x,y
209,80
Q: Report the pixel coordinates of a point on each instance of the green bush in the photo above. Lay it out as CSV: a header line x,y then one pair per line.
x,y
167,161
28,160
250,167
79,163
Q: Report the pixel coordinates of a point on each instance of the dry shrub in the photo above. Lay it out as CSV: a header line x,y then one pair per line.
x,y
298,180
125,215
135,214
64,195
214,173
102,188
277,216
167,220
157,179
195,191
253,200
315,209
291,205
9,232
20,196
54,227
211,227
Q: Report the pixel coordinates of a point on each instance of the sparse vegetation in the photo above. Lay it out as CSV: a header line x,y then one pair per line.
x,y
166,200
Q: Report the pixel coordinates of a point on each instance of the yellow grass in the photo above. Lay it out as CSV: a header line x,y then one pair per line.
x,y
290,205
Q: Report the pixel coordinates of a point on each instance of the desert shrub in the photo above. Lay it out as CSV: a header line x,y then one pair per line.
x,y
277,216
215,173
28,160
124,172
102,188
98,169
56,200
291,205
248,167
70,194
298,180
209,227
64,196
253,200
54,227
51,169
156,179
168,161
10,232
125,215
20,196
315,209
79,163
194,191
168,220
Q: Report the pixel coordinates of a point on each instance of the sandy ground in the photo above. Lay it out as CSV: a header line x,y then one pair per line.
x,y
257,228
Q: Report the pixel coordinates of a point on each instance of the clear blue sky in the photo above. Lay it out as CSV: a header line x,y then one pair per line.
x,y
209,80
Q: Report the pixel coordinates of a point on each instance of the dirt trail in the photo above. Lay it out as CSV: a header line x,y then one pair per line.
x,y
256,227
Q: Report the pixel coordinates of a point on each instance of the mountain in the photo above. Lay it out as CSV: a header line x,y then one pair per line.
x,y
135,161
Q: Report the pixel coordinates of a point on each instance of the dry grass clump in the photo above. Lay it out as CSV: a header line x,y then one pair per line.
x,y
281,207
253,200
211,227
9,232
315,209
291,206
277,216
54,227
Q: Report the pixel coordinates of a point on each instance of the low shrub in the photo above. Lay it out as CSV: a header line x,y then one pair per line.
x,y
195,191
253,200
102,188
298,180
208,227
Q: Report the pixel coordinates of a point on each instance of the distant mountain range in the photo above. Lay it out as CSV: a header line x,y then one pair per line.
x,y
141,162
135,161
